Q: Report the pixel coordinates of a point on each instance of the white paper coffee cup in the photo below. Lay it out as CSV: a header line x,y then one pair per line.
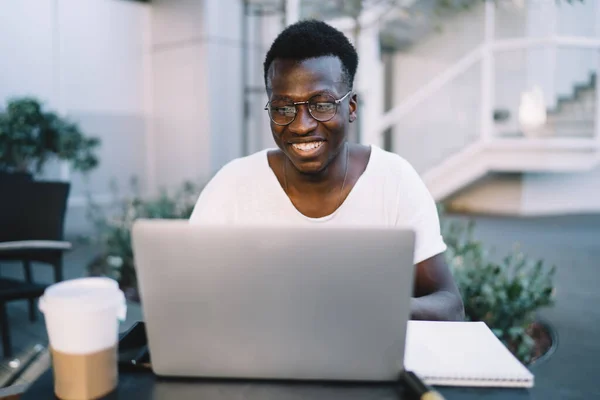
x,y
82,315
82,319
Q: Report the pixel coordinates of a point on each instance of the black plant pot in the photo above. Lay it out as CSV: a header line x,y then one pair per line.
x,y
552,334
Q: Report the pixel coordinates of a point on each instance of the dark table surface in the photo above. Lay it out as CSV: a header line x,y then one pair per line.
x,y
140,383
145,385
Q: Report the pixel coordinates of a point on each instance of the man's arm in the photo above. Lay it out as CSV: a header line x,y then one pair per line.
x,y
436,296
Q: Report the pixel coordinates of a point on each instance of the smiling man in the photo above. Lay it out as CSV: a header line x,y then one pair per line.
x,y
315,177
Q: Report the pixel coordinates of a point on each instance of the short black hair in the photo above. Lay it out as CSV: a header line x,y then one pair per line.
x,y
311,39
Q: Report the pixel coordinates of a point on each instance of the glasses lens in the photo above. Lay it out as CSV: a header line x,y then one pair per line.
x,y
281,112
322,107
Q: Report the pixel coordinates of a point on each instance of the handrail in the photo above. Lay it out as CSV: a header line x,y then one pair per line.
x,y
564,41
368,16
394,115
575,41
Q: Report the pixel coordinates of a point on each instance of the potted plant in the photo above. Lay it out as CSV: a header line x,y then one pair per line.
x,y
505,294
113,228
31,136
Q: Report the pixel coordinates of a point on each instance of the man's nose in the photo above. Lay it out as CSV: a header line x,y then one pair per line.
x,y
304,123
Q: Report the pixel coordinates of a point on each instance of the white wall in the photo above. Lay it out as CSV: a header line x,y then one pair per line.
x,y
84,59
197,106
224,73
159,83
30,69
180,102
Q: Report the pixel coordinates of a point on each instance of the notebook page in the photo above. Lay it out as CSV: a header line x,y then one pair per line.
x,y
461,354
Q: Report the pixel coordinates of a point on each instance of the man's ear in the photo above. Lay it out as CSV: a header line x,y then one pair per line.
x,y
353,106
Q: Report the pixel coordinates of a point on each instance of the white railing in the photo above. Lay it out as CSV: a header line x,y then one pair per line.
x,y
480,54
485,54
527,43
393,116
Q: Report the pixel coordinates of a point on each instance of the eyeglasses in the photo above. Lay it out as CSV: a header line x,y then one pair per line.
x,y
321,107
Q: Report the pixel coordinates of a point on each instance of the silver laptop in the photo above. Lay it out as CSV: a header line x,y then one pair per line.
x,y
274,303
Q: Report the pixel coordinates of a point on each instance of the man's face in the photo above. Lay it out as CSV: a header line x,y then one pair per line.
x,y
310,144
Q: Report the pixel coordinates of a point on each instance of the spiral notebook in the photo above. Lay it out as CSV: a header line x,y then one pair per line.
x,y
462,354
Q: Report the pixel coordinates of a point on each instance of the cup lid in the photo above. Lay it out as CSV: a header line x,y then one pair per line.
x,y
84,295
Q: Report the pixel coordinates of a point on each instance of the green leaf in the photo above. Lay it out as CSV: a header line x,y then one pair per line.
x,y
31,136
113,229
505,295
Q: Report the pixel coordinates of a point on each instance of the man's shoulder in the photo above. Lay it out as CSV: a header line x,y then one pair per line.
x,y
387,162
222,188
397,172
243,166
394,171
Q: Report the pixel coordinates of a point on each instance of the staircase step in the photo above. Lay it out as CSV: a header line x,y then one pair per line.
x,y
582,97
574,108
550,133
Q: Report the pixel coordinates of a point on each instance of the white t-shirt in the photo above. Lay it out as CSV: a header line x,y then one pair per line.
x,y
389,193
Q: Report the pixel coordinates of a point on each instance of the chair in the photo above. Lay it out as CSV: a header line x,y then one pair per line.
x,y
18,373
12,392
32,217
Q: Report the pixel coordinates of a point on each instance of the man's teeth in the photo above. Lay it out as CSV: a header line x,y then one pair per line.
x,y
307,146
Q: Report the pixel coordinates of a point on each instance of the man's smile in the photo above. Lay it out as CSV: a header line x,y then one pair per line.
x,y
308,146
308,149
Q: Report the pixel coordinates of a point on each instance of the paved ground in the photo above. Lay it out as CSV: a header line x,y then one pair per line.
x,y
572,243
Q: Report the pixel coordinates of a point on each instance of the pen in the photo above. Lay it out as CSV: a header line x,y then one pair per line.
x,y
418,388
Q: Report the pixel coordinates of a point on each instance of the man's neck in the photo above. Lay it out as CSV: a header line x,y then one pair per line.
x,y
322,183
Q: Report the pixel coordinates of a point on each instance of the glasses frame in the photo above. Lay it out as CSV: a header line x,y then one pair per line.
x,y
297,103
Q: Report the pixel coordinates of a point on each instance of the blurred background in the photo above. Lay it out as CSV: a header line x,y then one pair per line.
x,y
136,104
494,103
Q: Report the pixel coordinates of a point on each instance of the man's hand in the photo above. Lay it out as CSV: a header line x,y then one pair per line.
x,y
436,296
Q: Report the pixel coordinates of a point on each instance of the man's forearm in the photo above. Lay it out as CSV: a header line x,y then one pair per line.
x,y
438,306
